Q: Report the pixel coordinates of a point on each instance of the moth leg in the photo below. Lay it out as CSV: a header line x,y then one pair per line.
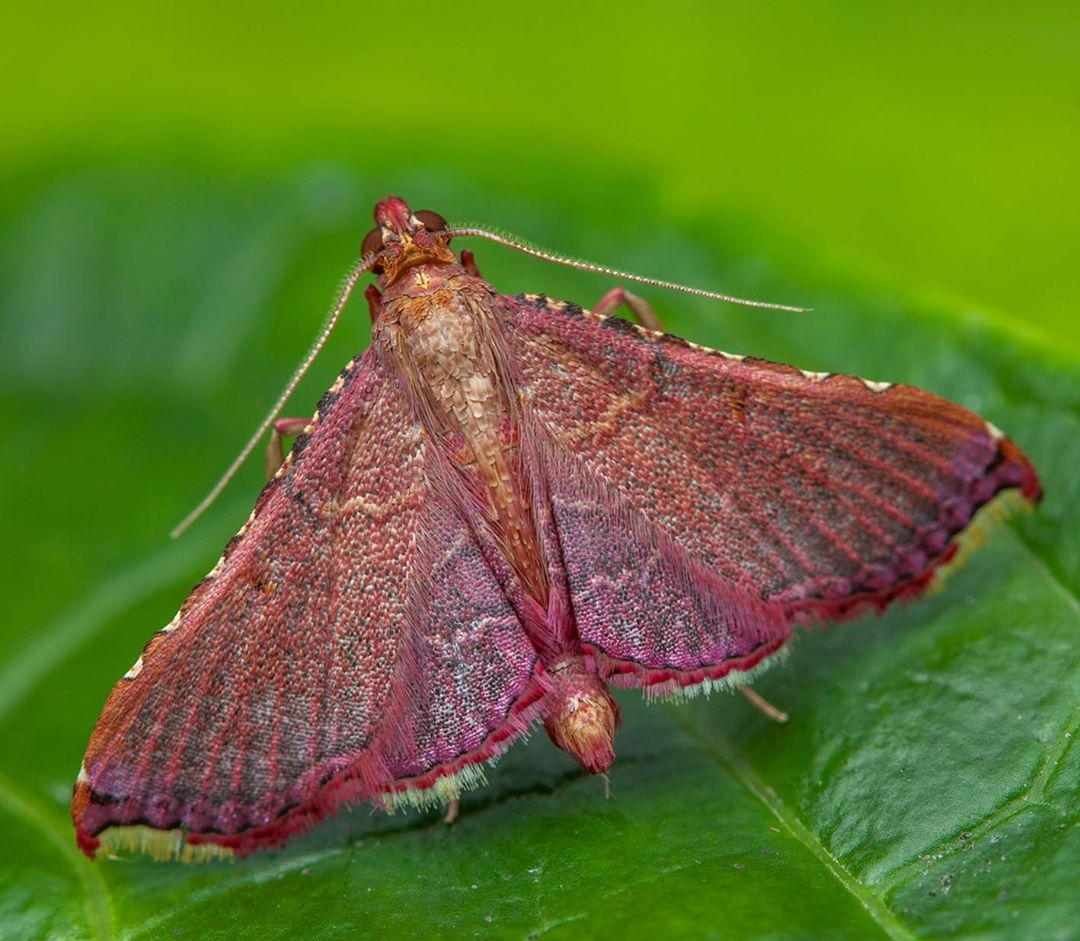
x,y
275,447
468,262
639,307
760,702
374,301
452,812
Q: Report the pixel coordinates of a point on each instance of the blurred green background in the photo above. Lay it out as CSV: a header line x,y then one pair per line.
x,y
182,188
936,143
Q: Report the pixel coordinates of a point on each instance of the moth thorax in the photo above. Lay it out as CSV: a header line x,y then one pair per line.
x,y
583,717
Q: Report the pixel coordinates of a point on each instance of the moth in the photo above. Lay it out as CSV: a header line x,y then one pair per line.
x,y
503,507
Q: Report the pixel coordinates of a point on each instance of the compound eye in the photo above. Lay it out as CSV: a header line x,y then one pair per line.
x,y
373,242
432,221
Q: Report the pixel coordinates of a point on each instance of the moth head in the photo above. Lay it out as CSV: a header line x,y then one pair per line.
x,y
403,238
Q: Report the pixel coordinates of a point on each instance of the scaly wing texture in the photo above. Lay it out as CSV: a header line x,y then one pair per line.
x,y
639,600
351,643
812,496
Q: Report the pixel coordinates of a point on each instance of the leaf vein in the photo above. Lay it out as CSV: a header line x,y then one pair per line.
x,y
874,905
98,910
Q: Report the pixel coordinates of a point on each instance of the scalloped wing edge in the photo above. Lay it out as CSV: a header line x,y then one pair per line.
x,y
671,685
439,785
1005,503
668,683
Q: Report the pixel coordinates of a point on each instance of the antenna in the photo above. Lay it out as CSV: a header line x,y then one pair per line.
x,y
366,263
523,246
360,268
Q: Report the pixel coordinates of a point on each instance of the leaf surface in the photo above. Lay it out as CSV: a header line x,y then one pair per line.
x,y
926,785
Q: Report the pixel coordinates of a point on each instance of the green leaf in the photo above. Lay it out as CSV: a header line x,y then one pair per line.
x,y
926,785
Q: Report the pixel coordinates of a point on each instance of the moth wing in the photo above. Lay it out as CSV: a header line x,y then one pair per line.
x,y
351,644
782,495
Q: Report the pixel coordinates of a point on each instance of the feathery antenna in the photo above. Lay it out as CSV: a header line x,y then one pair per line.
x,y
359,269
523,246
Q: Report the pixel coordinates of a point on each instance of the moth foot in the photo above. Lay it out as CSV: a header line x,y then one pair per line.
x,y
638,306
777,715
275,449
